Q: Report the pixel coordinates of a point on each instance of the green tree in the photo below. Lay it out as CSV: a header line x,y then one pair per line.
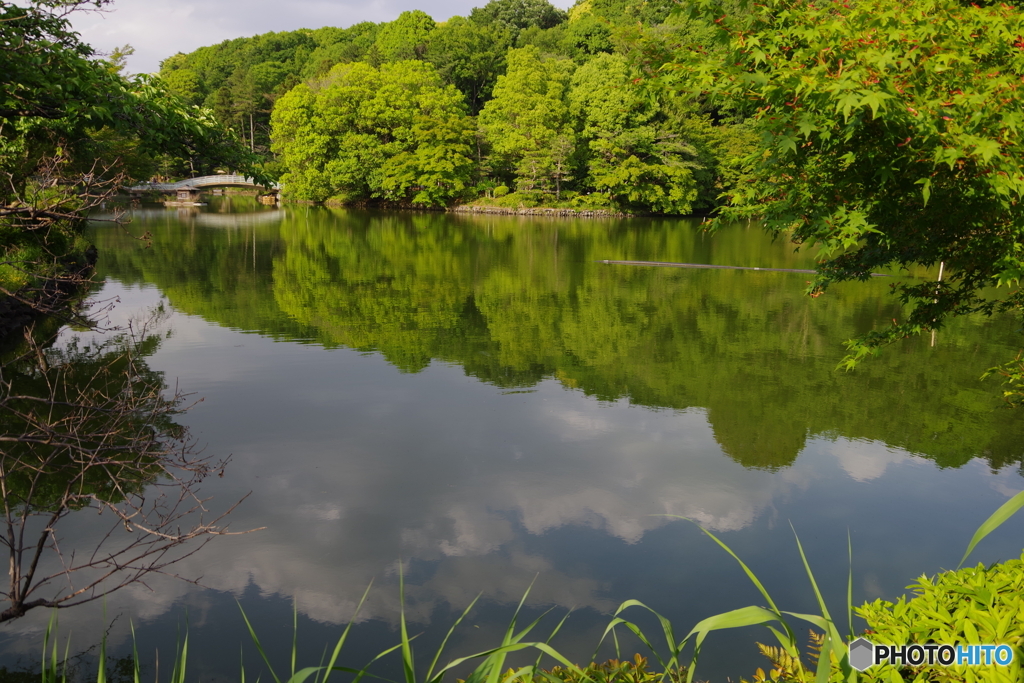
x,y
335,45
404,38
397,133
587,36
550,41
185,84
633,157
621,12
118,58
527,122
889,138
53,99
519,14
470,56
239,79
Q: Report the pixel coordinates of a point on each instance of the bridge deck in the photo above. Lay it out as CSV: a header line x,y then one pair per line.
x,y
203,181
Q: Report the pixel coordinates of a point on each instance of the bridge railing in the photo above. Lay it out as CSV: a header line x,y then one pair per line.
x,y
202,181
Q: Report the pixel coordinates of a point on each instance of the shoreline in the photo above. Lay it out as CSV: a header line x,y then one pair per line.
x,y
540,211
22,308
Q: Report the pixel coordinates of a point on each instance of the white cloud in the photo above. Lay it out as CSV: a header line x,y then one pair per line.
x,y
865,460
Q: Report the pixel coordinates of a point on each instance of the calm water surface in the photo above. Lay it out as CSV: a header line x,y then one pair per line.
x,y
479,399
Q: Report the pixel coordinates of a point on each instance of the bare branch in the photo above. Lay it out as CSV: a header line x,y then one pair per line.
x,y
91,429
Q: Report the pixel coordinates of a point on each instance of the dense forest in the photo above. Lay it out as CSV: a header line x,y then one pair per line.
x,y
520,104
880,134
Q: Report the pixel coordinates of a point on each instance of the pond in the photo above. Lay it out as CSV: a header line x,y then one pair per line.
x,y
480,401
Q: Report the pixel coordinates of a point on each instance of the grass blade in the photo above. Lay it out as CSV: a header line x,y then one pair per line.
x,y
303,674
491,668
178,673
810,575
789,642
408,664
1005,511
824,662
753,578
554,632
360,673
344,634
135,656
64,664
295,633
101,672
437,655
831,632
484,669
744,616
259,646
636,631
849,586
49,673
674,648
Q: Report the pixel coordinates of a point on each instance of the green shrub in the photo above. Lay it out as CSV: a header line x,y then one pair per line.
x,y
975,605
612,671
500,191
592,200
517,200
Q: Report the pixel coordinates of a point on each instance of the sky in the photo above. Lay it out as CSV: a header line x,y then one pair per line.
x,y
158,29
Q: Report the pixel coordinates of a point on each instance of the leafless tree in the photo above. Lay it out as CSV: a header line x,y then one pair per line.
x,y
89,428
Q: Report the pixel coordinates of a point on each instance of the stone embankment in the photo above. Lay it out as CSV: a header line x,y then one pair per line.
x,y
540,211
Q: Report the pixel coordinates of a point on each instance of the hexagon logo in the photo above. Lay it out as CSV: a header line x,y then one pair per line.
x,y
862,654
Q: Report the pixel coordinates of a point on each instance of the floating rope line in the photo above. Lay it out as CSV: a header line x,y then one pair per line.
x,y
666,264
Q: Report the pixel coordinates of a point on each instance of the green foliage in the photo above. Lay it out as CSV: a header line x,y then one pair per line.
x,y
586,37
527,123
619,12
550,41
54,94
632,156
519,14
974,605
470,56
831,665
73,123
397,133
404,38
611,671
335,46
185,84
668,162
1013,374
239,79
889,138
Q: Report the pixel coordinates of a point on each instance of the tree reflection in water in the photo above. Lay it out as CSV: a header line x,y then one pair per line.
x,y
514,301
89,426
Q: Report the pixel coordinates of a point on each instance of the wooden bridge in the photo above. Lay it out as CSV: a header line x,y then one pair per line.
x,y
188,190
